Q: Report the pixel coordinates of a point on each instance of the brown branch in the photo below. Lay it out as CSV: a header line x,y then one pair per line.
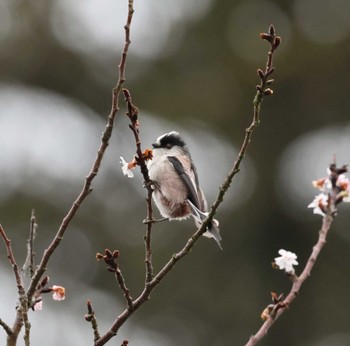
x,y
21,315
12,260
90,317
6,327
29,262
95,166
111,259
141,160
262,90
297,282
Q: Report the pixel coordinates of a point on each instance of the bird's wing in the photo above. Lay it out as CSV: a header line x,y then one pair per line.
x,y
187,180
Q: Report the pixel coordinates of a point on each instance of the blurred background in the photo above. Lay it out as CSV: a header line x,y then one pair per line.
x,y
191,68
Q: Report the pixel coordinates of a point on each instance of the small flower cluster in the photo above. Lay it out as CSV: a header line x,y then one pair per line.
x,y
59,293
336,185
128,167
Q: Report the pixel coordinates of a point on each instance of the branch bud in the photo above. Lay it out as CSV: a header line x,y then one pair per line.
x,y
261,74
268,92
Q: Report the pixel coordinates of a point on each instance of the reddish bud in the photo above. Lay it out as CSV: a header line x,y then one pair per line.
x,y
88,317
99,256
265,36
277,41
268,92
108,253
272,30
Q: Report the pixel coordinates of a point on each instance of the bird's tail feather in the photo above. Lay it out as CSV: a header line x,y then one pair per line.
x,y
213,230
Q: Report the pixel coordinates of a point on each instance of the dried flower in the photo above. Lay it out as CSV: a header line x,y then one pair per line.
x,y
323,184
148,154
58,292
286,261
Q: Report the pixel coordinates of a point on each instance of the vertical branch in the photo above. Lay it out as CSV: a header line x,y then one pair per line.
x,y
90,317
148,248
29,262
141,161
21,316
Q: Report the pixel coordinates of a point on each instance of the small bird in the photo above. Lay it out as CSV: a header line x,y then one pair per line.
x,y
175,183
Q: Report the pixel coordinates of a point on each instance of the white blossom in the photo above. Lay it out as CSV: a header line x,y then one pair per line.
x,y
319,204
286,261
126,168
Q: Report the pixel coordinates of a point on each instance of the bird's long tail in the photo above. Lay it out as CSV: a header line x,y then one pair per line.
x,y
213,230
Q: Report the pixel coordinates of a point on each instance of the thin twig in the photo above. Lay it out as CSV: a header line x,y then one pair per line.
x,y
122,285
90,317
111,259
95,166
21,315
6,327
29,262
262,91
135,128
12,260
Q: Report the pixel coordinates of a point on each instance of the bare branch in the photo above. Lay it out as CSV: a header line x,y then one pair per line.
x,y
141,160
29,262
90,317
111,259
95,166
21,316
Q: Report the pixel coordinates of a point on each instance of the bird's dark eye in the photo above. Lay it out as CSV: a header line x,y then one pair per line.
x,y
169,146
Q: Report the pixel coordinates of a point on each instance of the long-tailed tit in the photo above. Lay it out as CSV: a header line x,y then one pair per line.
x,y
175,182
